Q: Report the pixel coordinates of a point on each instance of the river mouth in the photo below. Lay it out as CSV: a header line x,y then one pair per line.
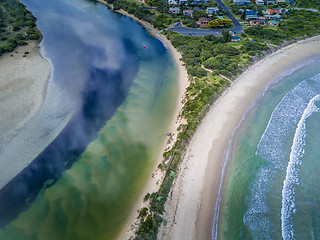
x,y
100,128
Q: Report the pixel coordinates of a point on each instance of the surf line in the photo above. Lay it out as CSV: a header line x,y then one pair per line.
x,y
288,189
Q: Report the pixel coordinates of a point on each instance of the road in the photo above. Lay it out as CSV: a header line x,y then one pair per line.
x,y
203,32
237,26
185,31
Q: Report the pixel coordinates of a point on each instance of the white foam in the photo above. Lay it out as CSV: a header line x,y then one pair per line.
x,y
271,149
292,178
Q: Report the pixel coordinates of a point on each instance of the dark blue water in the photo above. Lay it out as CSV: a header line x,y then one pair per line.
x,y
96,56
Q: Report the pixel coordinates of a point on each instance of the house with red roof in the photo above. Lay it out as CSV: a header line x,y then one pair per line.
x,y
271,11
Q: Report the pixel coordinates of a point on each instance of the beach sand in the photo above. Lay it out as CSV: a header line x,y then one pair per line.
x,y
23,83
191,205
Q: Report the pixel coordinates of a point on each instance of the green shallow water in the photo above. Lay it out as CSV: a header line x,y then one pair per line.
x,y
244,167
94,197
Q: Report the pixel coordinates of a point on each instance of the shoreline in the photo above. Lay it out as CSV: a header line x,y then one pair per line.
x,y
156,175
24,79
197,184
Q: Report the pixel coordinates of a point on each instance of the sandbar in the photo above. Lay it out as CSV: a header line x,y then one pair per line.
x,y
24,76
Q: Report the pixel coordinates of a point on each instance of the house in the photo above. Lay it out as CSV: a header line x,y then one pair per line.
x,y
172,2
183,2
258,22
188,13
251,15
271,11
235,39
242,2
273,17
251,18
271,2
175,10
260,2
200,1
273,23
203,22
211,10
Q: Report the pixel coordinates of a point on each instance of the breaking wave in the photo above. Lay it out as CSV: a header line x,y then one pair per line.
x,y
292,178
273,148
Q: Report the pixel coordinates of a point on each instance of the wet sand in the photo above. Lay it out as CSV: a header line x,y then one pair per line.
x,y
23,83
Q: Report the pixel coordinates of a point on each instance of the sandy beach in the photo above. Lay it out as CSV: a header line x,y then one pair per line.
x,y
191,205
24,75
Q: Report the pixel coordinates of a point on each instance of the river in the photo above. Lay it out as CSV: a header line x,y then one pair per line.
x,y
93,143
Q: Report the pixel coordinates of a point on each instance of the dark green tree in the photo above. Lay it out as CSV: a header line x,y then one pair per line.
x,y
226,36
243,15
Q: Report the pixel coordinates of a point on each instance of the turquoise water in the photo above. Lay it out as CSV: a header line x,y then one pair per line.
x,y
114,91
272,187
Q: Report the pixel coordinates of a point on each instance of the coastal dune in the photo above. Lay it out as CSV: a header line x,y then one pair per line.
x,y
24,75
191,206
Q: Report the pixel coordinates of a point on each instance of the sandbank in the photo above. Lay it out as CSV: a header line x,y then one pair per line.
x,y
191,205
24,76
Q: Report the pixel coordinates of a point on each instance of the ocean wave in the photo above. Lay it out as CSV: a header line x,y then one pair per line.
x,y
288,190
273,149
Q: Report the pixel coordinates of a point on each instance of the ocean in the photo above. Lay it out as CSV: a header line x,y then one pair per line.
x,y
93,143
271,188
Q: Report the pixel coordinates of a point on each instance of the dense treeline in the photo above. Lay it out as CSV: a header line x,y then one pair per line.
x,y
300,23
17,25
157,18
214,54
294,25
307,4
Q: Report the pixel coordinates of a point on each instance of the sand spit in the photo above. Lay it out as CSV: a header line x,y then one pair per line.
x,y
24,76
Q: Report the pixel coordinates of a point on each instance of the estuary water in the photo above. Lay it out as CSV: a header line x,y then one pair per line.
x,y
272,185
80,163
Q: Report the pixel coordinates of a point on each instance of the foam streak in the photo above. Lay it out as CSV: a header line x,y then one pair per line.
x,y
288,190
